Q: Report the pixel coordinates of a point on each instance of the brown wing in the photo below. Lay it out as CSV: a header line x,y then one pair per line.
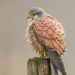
x,y
50,33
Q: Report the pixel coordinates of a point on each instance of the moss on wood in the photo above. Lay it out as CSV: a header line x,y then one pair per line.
x,y
37,66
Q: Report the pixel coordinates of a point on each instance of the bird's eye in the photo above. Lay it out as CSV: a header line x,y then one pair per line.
x,y
33,14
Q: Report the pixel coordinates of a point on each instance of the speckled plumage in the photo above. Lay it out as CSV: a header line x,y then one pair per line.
x,y
49,32
32,39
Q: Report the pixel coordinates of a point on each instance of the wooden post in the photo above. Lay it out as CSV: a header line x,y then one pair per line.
x,y
37,66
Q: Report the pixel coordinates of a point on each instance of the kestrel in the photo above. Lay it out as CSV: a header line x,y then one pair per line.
x,y
45,35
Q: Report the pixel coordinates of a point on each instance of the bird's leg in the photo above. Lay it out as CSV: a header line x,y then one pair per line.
x,y
41,56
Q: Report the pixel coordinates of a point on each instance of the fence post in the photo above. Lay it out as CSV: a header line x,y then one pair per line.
x,y
38,66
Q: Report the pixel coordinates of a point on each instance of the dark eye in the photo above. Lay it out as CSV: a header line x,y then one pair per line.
x,y
33,14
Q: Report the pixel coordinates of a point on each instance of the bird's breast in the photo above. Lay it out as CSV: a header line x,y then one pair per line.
x,y
32,38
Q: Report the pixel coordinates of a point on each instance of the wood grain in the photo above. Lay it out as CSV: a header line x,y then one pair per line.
x,y
37,66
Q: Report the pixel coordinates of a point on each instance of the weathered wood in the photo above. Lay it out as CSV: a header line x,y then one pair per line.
x,y
37,66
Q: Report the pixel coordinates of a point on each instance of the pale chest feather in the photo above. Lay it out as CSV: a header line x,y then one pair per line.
x,y
32,39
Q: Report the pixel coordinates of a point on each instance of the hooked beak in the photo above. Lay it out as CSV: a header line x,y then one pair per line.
x,y
29,16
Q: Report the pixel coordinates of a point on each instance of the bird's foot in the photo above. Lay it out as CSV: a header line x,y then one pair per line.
x,y
39,57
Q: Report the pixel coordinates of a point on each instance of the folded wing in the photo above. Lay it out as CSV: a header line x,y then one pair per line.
x,y
50,33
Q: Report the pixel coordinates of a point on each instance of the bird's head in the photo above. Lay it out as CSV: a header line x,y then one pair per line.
x,y
35,13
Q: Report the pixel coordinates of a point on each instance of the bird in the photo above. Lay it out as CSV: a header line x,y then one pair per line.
x,y
46,36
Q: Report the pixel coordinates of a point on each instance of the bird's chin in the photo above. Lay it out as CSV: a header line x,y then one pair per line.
x,y
30,21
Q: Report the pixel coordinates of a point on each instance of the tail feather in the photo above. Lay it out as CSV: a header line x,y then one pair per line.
x,y
56,60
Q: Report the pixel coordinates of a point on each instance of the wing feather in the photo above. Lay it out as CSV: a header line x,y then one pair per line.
x,y
50,33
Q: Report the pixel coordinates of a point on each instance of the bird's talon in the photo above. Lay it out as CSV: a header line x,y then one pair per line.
x,y
39,57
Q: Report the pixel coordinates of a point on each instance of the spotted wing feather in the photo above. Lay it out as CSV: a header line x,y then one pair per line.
x,y
50,33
